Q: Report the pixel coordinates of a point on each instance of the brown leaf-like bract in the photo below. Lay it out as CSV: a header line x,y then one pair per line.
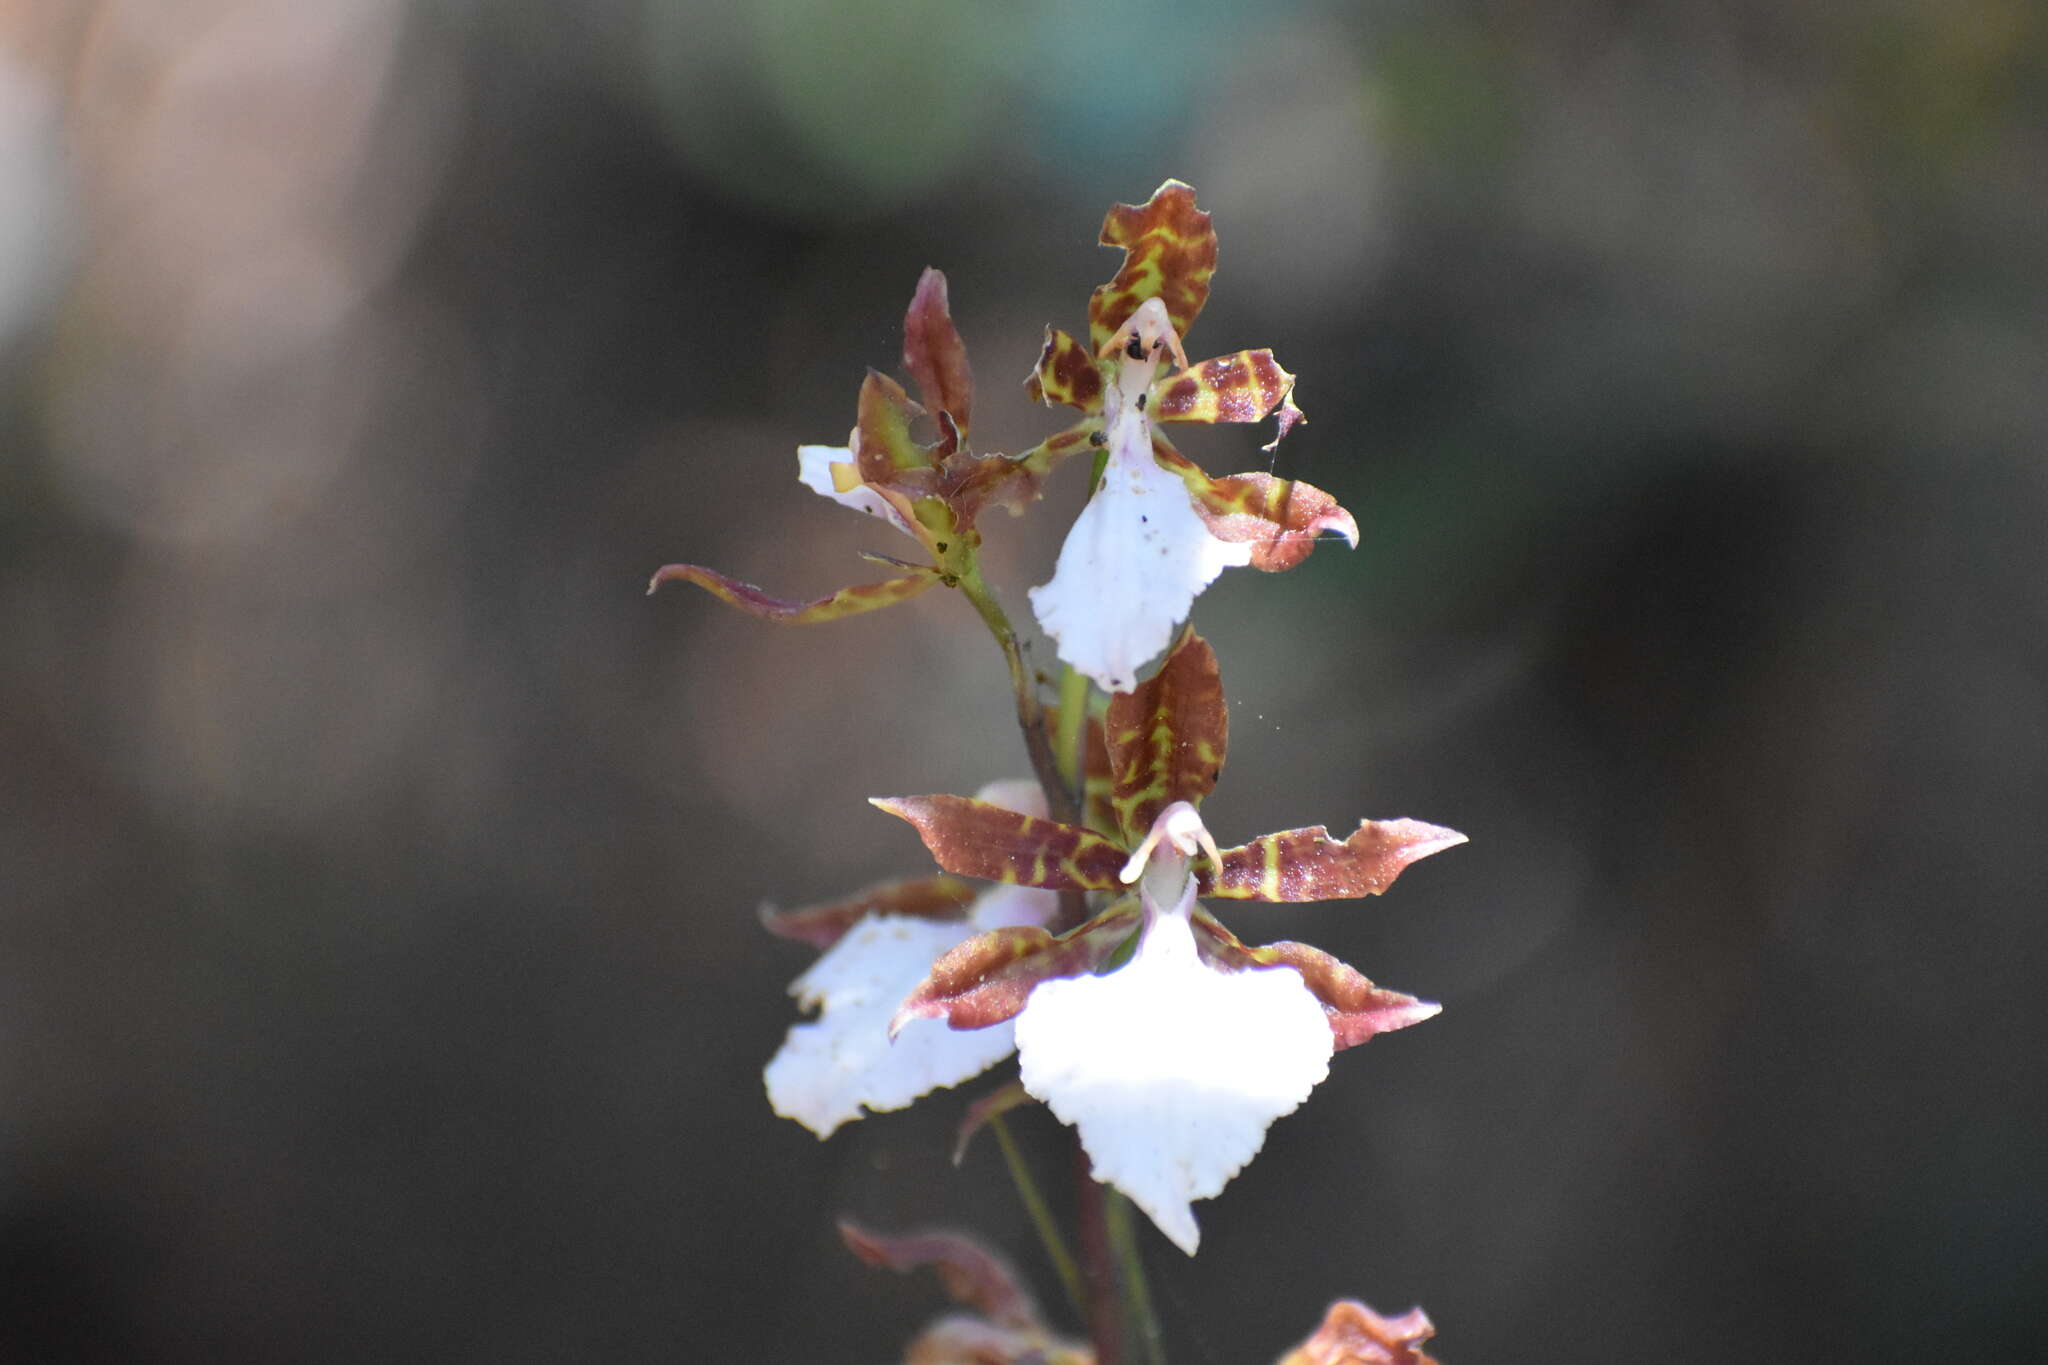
x,y
1169,254
988,979
1352,1334
862,597
972,1274
1308,865
821,926
1167,737
977,839
937,359
1356,1009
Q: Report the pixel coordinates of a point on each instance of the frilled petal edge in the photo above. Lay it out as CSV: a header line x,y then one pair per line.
x,y
1171,1070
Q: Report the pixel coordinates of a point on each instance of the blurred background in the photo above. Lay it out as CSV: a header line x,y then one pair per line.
x,y
379,973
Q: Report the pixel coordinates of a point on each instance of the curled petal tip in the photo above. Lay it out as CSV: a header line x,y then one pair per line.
x,y
1346,526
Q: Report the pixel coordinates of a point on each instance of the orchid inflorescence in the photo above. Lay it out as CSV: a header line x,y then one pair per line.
x,y
1066,924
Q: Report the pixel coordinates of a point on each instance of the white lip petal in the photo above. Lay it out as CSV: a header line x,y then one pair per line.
x,y
827,1070
1133,563
814,469
1171,1070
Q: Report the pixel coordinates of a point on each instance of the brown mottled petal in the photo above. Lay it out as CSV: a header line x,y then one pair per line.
x,y
972,1274
882,441
1169,254
1231,388
846,602
1283,518
1167,739
1352,1334
987,979
1356,1009
993,1105
1308,865
977,839
1066,373
937,358
821,926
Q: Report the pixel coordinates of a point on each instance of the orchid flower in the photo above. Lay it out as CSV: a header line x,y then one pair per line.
x,y
1168,1044
878,945
932,493
1158,530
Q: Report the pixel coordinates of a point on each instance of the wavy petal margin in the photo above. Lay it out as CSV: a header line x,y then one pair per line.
x,y
1352,1334
862,597
1170,1070
1356,1009
937,359
978,839
1308,865
1168,738
1066,373
988,979
1169,254
822,925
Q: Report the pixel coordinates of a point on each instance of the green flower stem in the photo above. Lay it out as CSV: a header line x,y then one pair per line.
x,y
1139,1315
1059,797
1063,1263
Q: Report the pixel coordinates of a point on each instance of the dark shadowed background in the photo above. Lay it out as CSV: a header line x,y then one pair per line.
x,y
380,977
